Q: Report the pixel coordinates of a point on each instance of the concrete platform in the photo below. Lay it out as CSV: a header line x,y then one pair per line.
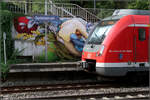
x,y
45,67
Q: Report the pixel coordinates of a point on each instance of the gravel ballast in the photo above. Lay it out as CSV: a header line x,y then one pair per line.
x,y
36,94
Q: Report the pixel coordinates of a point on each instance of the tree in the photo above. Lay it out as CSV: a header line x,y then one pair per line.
x,y
139,4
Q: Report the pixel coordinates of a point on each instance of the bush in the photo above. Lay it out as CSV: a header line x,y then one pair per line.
x,y
6,20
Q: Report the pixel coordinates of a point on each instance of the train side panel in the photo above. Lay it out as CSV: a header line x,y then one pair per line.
x,y
125,48
124,52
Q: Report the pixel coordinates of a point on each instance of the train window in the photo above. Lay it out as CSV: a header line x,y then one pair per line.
x,y
142,34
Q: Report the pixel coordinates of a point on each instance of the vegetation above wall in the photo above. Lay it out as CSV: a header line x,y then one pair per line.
x,y
139,4
111,4
6,20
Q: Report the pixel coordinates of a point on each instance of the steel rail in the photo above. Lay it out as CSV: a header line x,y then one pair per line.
x,y
19,89
98,95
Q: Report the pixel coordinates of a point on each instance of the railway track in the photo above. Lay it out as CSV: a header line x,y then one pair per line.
x,y
79,89
81,94
108,96
76,91
74,86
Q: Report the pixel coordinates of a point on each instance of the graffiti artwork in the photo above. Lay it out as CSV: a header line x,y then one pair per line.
x,y
66,37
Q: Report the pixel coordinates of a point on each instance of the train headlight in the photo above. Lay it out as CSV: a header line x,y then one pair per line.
x,y
101,51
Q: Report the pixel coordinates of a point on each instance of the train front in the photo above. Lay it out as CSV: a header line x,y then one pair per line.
x,y
92,54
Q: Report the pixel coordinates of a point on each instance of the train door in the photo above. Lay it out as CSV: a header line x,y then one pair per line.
x,y
141,44
149,42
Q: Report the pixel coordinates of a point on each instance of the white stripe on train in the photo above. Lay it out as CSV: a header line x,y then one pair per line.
x,y
137,64
139,25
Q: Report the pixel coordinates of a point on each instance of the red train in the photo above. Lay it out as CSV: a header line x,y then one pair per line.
x,y
119,44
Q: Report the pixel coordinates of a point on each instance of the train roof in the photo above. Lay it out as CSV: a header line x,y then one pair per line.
x,y
131,12
124,12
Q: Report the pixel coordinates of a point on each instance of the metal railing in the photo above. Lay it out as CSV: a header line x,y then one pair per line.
x,y
101,13
27,8
17,7
37,8
59,11
74,10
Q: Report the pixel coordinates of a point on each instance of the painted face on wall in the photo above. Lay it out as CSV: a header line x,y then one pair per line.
x,y
22,25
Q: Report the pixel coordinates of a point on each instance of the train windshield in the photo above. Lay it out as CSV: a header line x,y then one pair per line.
x,y
100,32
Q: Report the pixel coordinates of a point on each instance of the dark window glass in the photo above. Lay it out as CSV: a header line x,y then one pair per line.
x,y
142,34
100,32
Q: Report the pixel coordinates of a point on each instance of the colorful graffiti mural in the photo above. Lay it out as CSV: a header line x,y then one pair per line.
x,y
66,37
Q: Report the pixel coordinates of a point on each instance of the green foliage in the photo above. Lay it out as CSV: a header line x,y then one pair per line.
x,y
4,70
3,6
13,59
38,7
110,4
105,13
139,4
6,26
6,21
62,1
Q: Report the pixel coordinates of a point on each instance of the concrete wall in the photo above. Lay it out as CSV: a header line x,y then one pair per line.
x,y
29,48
